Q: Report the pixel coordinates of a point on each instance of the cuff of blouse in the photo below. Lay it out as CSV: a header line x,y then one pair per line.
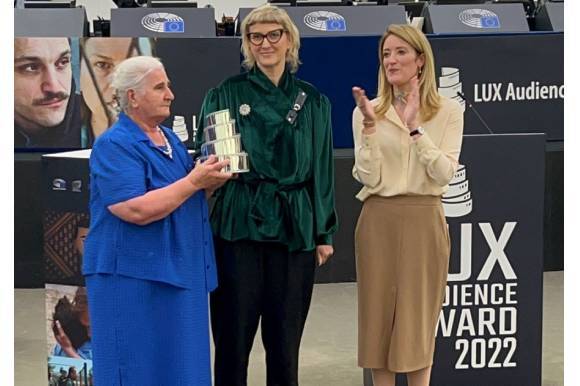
x,y
423,142
324,240
368,139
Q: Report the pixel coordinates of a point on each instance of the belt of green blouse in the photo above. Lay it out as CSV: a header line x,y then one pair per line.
x,y
271,212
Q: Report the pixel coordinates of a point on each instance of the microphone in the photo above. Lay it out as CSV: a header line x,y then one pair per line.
x,y
470,105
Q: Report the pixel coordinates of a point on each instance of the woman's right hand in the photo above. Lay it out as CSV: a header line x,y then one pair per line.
x,y
366,108
207,175
64,341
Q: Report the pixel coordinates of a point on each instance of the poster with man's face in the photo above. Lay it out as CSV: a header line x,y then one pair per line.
x,y
46,103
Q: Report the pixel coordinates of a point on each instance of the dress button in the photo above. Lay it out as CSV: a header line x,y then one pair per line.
x,y
207,266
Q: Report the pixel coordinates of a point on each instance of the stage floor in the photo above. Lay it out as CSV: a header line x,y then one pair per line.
x,y
328,354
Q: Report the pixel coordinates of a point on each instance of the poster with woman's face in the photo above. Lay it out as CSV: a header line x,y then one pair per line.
x,y
192,65
99,59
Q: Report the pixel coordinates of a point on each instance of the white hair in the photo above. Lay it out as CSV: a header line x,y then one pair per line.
x,y
129,75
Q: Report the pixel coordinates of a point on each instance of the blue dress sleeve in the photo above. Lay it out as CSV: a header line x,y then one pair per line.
x,y
117,172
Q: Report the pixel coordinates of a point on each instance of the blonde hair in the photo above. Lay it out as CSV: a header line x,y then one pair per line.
x,y
271,14
430,102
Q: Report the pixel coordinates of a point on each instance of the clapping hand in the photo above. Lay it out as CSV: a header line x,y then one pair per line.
x,y
366,108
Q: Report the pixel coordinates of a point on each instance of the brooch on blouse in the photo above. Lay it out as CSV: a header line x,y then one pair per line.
x,y
245,109
298,103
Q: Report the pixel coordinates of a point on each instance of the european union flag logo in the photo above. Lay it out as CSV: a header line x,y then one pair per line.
x,y
173,27
490,22
336,25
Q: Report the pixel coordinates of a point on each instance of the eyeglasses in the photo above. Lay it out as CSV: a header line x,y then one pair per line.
x,y
273,37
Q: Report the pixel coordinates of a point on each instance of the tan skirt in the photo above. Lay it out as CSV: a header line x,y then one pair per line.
x,y
402,258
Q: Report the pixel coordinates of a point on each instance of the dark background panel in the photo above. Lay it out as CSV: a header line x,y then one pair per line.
x,y
65,193
65,183
28,262
506,186
194,66
341,267
519,59
554,209
335,65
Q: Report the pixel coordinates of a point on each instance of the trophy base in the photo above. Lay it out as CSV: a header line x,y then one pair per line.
x,y
239,162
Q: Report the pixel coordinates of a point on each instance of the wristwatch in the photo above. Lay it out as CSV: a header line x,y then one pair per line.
x,y
418,130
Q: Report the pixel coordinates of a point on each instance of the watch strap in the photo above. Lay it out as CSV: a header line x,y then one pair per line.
x,y
418,130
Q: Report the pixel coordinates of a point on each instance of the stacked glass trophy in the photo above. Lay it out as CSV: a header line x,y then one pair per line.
x,y
222,139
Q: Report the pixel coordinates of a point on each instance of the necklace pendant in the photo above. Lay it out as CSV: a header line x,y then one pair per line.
x,y
401,98
168,151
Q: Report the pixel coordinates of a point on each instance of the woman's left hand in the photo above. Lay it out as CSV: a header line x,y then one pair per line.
x,y
323,253
412,106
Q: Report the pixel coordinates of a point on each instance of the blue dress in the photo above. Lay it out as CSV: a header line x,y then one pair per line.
x,y
148,285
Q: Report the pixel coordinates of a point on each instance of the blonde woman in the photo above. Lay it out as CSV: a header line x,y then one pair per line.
x,y
407,145
275,223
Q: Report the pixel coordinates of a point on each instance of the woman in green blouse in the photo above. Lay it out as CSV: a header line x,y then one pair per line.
x,y
274,223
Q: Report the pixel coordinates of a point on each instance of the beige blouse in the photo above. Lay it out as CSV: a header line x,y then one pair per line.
x,y
389,162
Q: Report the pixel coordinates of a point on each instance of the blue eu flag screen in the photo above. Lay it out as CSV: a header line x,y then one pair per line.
x,y
173,26
490,22
336,25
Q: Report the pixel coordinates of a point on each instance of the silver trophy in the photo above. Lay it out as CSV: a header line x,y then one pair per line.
x,y
222,139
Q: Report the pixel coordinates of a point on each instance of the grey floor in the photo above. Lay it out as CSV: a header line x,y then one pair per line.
x,y
328,355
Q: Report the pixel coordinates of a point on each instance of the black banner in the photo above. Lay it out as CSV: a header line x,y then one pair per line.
x,y
490,328
65,217
516,83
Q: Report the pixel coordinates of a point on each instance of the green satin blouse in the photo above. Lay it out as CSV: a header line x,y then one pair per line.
x,y
288,195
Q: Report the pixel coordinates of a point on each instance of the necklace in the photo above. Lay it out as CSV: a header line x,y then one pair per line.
x,y
168,151
400,97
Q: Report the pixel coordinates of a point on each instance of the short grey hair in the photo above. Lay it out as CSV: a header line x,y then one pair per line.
x,y
129,75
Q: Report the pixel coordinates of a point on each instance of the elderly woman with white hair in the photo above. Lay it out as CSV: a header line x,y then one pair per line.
x,y
149,260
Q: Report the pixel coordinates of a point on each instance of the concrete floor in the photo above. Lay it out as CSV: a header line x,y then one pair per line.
x,y
328,355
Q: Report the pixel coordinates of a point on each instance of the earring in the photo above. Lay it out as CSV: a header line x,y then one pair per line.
x,y
420,70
